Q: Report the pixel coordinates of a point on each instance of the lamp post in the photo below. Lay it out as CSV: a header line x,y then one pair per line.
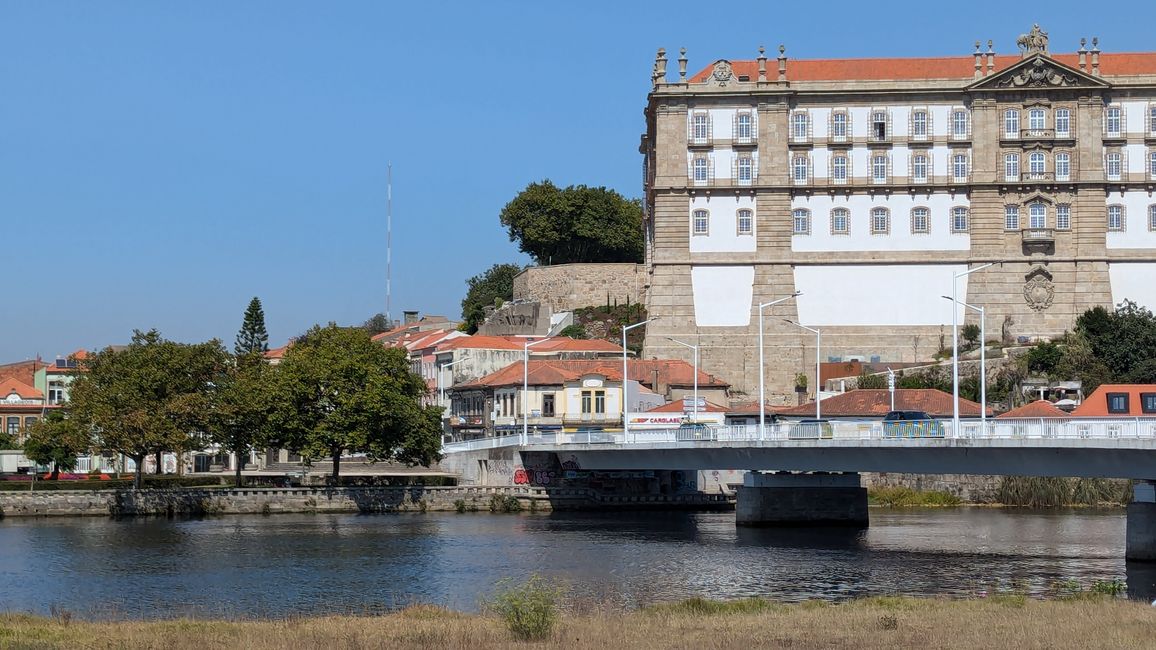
x,y
526,389
762,372
625,410
695,348
441,390
818,344
982,364
955,343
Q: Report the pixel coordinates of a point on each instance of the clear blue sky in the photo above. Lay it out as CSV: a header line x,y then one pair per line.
x,y
161,162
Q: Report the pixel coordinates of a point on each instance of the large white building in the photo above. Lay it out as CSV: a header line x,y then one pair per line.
x,y
867,184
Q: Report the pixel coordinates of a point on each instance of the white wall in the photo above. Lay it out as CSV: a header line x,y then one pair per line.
x,y
1136,158
1133,281
1135,114
722,295
1136,233
852,295
860,238
723,234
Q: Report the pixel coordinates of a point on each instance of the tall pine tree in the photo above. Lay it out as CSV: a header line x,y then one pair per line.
x,y
252,338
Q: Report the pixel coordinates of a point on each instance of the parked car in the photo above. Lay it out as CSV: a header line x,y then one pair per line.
x,y
811,430
911,424
694,431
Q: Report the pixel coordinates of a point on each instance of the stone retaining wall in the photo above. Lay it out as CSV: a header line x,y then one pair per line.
x,y
567,287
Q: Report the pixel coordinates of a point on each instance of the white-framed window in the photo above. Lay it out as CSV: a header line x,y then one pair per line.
x,y
1037,216
1152,217
1152,163
959,167
1011,166
840,221
879,126
799,124
701,169
919,168
1011,123
746,170
744,127
880,221
959,219
1063,217
839,169
839,126
745,220
1152,119
879,168
1113,165
920,221
1036,163
959,124
701,222
1063,166
919,125
1036,120
800,169
1115,217
1113,122
1063,122
802,221
700,127
1011,217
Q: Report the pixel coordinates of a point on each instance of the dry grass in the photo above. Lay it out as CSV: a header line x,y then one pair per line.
x,y
870,623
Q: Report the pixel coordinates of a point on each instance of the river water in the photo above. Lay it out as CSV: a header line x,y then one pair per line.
x,y
243,566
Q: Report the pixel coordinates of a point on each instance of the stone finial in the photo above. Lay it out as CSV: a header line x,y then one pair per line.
x,y
762,63
1096,55
682,65
782,62
660,67
990,57
978,62
1083,52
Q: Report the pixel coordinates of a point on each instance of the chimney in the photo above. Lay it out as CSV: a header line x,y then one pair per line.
x,y
990,58
782,63
1083,52
409,317
978,62
762,63
1096,55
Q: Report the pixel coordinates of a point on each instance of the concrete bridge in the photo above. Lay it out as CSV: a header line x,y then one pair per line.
x,y
807,474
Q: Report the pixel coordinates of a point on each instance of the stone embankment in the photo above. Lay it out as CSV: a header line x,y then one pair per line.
x,y
194,501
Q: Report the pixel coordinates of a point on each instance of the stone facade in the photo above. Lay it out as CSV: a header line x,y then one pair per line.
x,y
567,287
869,184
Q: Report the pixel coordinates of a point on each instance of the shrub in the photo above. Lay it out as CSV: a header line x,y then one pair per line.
x,y
531,610
505,503
460,505
904,497
1113,587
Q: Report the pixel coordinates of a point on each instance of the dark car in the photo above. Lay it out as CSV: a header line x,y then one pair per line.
x,y
811,429
911,424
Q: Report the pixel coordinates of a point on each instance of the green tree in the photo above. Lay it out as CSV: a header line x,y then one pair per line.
x,y
337,391
1044,358
238,418
487,289
253,337
57,440
970,333
149,397
376,324
574,224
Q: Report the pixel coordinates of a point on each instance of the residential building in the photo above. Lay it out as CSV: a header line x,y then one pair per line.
x,y
1119,400
21,406
874,404
869,184
1040,408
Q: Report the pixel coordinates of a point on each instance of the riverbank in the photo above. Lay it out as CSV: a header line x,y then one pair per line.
x,y
996,622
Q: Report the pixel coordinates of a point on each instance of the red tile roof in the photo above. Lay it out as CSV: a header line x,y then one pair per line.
x,y
553,372
24,371
567,344
11,385
876,403
479,343
676,407
1096,404
276,353
1040,408
551,345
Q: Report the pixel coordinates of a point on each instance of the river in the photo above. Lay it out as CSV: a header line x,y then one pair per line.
x,y
245,566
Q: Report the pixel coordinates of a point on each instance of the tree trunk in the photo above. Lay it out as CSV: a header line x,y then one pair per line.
x,y
55,472
240,463
336,466
160,468
137,476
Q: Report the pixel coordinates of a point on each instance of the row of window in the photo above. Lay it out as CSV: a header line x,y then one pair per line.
x,y
744,222
920,170
880,221
1036,120
1037,166
12,424
743,127
880,129
1118,403
1117,218
1116,122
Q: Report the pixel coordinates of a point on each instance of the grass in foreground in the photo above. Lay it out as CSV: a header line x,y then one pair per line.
x,y
754,623
902,497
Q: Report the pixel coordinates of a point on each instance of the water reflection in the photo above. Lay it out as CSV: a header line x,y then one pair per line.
x,y
289,564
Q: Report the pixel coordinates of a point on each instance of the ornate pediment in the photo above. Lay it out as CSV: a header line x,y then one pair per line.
x,y
721,74
1038,72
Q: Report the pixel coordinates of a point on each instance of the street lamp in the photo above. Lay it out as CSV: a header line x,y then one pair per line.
x,y
955,344
982,363
818,344
695,348
526,389
762,373
625,410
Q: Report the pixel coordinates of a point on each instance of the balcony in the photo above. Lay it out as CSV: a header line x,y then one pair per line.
x,y
1039,235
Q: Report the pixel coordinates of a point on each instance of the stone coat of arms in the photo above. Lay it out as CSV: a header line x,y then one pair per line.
x,y
1039,291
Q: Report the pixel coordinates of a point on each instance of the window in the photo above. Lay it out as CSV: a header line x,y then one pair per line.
x,y
13,425
799,126
701,222
745,170
1036,163
800,169
1011,167
840,222
879,169
1063,167
802,220
839,169
1011,217
1113,165
1063,122
1152,164
1115,217
919,125
746,222
1037,216
587,402
1148,402
919,168
1011,123
920,221
959,124
880,221
1152,119
701,170
744,127
29,422
700,127
1063,217
839,127
959,219
959,167
600,402
879,126
55,392
1151,218
1117,402
1113,122
548,405
1036,120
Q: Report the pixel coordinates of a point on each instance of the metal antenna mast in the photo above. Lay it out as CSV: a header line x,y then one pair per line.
x,y
388,240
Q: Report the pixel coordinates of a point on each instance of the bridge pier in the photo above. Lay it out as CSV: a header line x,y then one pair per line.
x,y
790,499
1141,533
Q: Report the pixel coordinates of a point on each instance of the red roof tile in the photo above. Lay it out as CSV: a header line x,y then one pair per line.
x,y
11,385
676,407
1096,404
1040,408
876,403
553,372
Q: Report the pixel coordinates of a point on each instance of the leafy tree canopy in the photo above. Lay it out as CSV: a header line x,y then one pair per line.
x,y
58,441
1122,339
238,417
490,288
253,337
574,224
376,324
